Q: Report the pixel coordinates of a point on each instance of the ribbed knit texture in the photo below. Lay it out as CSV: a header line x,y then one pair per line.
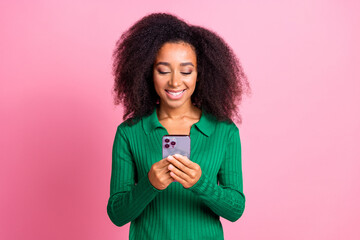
x,y
176,212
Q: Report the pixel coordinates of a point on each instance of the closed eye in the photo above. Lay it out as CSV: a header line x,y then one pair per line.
x,y
185,73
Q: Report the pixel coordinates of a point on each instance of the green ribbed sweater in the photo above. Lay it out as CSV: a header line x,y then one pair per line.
x,y
176,212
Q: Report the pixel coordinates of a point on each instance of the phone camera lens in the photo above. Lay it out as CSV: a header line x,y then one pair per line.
x,y
167,140
167,145
173,143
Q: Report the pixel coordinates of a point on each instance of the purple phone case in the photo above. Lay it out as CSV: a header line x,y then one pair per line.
x,y
172,144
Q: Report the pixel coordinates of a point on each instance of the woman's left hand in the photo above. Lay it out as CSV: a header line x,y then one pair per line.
x,y
184,170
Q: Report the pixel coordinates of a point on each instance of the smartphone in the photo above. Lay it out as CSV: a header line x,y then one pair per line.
x,y
172,144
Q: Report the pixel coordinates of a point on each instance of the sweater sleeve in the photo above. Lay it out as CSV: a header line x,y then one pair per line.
x,y
226,199
127,199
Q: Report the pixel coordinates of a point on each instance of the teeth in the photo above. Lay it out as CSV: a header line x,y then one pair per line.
x,y
176,94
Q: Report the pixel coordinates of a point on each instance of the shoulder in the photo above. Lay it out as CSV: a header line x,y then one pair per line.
x,y
225,126
129,125
219,129
230,129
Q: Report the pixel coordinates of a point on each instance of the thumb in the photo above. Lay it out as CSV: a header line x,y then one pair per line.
x,y
164,162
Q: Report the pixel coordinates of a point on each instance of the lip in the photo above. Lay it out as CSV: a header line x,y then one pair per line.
x,y
175,97
174,91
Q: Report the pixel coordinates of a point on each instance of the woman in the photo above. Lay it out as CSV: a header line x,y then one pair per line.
x,y
176,78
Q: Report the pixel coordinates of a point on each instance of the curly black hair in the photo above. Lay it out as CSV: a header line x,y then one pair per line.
x,y
221,79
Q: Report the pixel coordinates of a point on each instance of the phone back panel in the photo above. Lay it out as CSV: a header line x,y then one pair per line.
x,y
172,144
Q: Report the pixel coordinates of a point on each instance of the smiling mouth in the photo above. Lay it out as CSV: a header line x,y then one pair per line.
x,y
175,93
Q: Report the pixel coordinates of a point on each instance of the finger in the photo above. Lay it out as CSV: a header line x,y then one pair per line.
x,y
184,160
177,163
165,170
179,173
171,179
163,163
168,177
177,178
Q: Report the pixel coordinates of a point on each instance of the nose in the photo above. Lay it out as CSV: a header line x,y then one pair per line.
x,y
175,80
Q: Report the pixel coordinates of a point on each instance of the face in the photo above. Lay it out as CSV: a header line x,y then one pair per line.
x,y
175,74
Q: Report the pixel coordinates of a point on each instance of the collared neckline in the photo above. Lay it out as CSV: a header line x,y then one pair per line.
x,y
205,125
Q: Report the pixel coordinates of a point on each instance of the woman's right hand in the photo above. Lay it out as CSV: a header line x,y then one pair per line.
x,y
159,174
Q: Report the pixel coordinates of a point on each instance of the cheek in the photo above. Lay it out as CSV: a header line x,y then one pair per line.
x,y
191,82
158,83
157,89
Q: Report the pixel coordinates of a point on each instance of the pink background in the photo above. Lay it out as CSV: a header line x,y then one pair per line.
x,y
300,133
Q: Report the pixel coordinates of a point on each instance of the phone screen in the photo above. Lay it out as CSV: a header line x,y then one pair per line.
x,y
172,144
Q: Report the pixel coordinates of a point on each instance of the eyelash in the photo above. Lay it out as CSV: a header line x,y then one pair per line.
x,y
169,72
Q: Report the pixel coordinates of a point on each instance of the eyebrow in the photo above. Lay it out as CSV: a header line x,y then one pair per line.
x,y
181,64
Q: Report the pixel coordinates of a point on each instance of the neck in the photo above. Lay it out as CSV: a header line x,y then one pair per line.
x,y
179,113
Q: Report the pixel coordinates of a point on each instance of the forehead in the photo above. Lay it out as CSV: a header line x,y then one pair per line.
x,y
176,52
